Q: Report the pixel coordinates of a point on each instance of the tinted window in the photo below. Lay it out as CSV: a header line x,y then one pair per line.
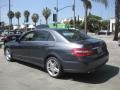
x,y
42,26
73,35
50,38
28,37
41,36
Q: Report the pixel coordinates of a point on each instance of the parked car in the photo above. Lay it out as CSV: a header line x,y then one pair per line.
x,y
4,33
42,26
1,30
58,51
104,32
8,38
15,32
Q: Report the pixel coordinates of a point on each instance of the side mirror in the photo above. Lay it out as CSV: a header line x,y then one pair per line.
x,y
17,40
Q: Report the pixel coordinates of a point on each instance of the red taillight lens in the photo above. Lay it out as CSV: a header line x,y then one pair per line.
x,y
78,52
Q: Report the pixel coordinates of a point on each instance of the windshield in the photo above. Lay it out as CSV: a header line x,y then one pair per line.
x,y
73,35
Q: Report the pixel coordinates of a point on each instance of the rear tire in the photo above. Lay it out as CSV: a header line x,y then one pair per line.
x,y
8,54
53,67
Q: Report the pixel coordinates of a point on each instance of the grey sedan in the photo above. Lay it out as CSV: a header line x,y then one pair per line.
x,y
58,51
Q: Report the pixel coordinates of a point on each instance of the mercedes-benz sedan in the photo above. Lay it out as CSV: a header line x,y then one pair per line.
x,y
58,51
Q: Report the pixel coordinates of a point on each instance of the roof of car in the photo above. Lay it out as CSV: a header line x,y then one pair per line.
x,y
55,29
42,26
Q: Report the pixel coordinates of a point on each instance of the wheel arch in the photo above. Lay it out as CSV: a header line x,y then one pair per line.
x,y
53,55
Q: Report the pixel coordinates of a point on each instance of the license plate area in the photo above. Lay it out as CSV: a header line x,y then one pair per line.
x,y
99,50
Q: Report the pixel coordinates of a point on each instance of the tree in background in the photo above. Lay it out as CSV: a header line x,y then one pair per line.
x,y
94,23
46,13
18,15
87,5
26,15
35,18
105,24
71,23
78,22
10,16
117,19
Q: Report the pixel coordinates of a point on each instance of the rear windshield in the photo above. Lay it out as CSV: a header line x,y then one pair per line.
x,y
73,35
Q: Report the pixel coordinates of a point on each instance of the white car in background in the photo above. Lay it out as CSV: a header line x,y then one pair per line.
x,y
104,32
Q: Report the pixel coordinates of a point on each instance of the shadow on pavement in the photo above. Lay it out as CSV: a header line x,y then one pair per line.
x,y
30,65
0,46
102,75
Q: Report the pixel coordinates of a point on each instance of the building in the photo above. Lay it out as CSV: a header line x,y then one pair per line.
x,y
112,24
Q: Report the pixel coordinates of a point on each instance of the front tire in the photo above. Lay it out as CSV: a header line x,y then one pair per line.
x,y
53,67
8,54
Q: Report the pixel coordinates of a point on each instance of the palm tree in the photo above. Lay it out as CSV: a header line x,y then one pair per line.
x,y
117,18
46,13
26,15
18,15
35,18
87,5
10,16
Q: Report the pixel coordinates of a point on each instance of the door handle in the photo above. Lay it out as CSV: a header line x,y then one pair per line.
x,y
45,44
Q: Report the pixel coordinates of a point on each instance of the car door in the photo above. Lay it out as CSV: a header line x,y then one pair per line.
x,y
23,46
41,44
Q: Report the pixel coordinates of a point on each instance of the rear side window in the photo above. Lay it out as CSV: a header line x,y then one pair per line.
x,y
73,35
51,38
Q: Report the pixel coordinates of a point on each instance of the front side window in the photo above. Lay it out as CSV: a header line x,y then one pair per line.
x,y
28,37
43,36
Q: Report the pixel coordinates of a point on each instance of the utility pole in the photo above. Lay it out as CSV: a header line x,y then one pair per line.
x,y
9,18
56,13
74,6
0,14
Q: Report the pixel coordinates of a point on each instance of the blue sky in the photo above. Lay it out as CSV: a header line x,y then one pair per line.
x,y
36,6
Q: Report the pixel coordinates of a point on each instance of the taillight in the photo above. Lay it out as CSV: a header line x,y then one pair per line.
x,y
78,52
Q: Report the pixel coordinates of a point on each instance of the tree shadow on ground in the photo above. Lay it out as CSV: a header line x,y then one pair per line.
x,y
104,74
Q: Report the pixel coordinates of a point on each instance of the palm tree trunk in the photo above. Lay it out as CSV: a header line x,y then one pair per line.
x,y
117,17
9,24
18,24
86,19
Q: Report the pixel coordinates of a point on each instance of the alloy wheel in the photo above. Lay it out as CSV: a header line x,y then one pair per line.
x,y
53,67
7,54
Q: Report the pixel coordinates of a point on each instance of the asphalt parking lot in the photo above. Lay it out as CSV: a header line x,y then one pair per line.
x,y
22,76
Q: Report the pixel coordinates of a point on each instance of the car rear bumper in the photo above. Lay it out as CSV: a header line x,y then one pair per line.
x,y
85,67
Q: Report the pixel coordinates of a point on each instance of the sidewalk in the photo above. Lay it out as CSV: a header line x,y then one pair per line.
x,y
106,38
